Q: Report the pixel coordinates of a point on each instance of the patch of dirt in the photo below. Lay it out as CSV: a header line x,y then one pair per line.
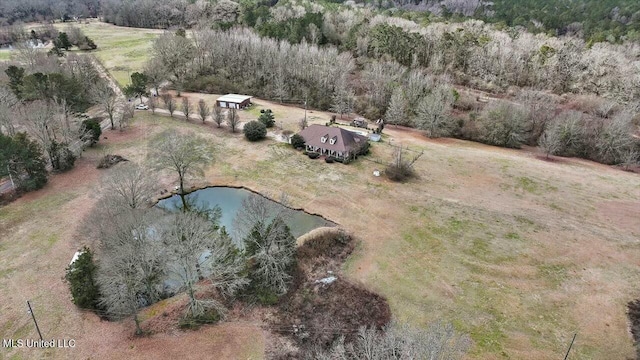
x,y
626,214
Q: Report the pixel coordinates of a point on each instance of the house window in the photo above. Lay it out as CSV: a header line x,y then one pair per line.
x,y
332,141
324,139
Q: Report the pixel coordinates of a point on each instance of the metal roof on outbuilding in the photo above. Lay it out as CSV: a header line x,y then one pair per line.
x,y
234,98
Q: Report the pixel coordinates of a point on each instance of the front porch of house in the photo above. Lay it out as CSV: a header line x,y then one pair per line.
x,y
327,152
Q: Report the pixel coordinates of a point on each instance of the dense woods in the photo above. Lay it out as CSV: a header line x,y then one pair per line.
x,y
406,73
594,20
591,20
12,11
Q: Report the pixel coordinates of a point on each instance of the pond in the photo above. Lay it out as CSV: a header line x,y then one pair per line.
x,y
230,201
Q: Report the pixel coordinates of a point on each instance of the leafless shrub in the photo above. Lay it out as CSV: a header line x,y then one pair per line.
x,y
438,341
401,169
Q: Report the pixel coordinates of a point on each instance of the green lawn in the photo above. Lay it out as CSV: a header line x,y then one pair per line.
x,y
121,50
5,54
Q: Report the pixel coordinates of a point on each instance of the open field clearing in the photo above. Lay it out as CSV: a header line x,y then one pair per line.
x,y
123,51
5,54
518,252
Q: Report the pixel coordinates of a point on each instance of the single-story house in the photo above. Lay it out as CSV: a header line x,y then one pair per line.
x,y
333,141
234,101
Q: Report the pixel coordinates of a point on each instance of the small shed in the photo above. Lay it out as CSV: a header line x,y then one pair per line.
x,y
234,101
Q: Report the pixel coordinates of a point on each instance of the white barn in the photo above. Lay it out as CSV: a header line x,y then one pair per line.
x,y
234,101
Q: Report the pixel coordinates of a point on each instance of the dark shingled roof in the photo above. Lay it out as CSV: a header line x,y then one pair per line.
x,y
345,140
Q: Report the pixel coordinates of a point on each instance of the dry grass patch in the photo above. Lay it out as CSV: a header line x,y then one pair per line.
x,y
455,244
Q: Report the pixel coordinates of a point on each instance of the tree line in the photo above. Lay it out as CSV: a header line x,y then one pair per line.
x,y
241,61
592,20
377,86
12,11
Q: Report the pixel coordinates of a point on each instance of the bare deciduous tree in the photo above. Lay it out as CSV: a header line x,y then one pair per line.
x,y
187,237
630,157
433,113
302,124
233,120
541,107
8,107
504,124
186,107
120,283
396,112
401,168
153,104
550,142
104,96
203,110
255,209
185,154
615,138
132,262
37,117
169,103
156,74
218,117
175,53
342,99
28,55
128,112
196,249
130,185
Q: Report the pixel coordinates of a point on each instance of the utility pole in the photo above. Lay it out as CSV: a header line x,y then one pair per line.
x,y
34,320
305,108
13,185
570,346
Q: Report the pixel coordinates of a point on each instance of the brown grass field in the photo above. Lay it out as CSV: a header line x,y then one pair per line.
x,y
518,252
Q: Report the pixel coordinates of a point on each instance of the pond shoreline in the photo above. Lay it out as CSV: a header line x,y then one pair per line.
x,y
241,187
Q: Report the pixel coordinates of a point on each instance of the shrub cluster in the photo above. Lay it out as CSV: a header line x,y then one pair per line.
x,y
255,130
81,279
297,141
